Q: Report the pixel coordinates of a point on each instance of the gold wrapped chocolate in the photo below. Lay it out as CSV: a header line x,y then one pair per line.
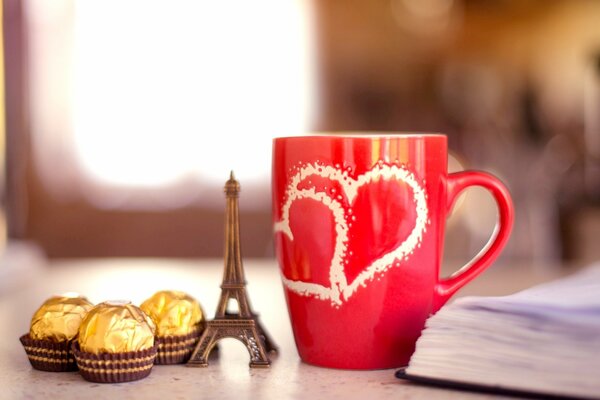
x,y
58,319
116,327
174,313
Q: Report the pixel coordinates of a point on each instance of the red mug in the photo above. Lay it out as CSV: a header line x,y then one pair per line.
x,y
359,233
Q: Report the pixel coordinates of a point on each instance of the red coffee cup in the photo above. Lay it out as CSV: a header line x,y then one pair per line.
x,y
359,234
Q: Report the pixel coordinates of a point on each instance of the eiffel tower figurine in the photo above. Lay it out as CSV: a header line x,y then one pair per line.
x,y
243,325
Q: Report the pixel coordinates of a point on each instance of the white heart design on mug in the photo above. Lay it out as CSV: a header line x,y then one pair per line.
x,y
339,289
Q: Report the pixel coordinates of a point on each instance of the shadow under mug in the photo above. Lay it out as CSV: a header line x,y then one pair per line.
x,y
359,227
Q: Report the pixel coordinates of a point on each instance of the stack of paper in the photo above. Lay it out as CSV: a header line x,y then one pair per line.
x,y
545,339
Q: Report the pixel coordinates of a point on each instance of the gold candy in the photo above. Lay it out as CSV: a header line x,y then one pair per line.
x,y
58,319
175,313
116,327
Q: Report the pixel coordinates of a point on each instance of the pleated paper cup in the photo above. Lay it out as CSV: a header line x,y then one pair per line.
x,y
46,355
177,349
114,367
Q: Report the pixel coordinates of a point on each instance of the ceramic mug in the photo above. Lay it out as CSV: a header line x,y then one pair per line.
x,y
359,233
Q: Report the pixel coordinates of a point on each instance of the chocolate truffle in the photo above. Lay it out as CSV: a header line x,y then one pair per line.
x,y
53,327
115,343
179,320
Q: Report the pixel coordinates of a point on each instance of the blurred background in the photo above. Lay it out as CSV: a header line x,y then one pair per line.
x,y
121,119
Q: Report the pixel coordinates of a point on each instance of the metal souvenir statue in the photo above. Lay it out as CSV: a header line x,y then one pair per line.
x,y
243,325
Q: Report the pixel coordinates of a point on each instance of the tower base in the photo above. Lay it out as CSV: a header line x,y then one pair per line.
x,y
247,331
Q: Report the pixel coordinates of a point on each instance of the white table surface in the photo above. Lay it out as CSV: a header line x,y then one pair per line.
x,y
228,376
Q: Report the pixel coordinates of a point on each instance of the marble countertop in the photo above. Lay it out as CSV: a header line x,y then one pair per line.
x,y
228,375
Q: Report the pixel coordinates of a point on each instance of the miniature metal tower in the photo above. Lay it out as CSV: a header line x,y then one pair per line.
x,y
243,325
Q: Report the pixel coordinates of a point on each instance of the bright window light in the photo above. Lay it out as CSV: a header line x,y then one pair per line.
x,y
165,92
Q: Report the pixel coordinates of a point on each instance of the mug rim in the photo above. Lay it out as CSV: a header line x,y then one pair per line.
x,y
365,135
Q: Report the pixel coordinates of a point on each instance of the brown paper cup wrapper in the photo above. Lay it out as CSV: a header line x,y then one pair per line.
x,y
47,355
177,349
114,368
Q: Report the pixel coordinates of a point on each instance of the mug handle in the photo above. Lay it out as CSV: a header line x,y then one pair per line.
x,y
456,183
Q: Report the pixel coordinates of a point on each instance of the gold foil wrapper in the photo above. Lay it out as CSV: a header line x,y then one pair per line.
x,y
174,313
58,319
116,327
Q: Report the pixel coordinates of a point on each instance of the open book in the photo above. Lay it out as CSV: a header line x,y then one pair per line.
x,y
543,340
